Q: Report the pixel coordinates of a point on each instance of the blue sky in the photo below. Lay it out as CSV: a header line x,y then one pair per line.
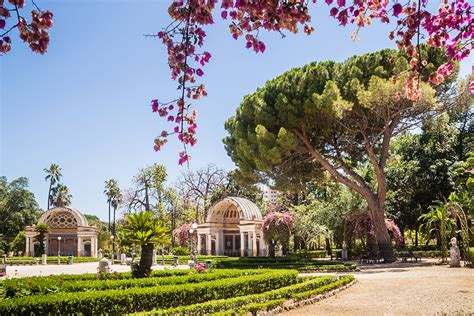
x,y
85,104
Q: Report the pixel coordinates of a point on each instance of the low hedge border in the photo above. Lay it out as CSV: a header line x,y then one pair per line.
x,y
143,299
305,284
109,276
49,260
306,266
299,299
14,288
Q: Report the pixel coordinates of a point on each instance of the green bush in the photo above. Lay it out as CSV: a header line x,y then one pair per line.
x,y
142,299
323,289
235,305
93,276
311,253
181,251
49,260
20,288
286,263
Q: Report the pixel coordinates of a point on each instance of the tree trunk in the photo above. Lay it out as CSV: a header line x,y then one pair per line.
x,y
328,246
113,231
109,218
271,249
147,198
146,261
416,237
49,192
381,233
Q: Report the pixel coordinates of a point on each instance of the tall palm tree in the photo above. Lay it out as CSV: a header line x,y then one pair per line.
x,y
114,197
144,229
112,192
53,174
61,196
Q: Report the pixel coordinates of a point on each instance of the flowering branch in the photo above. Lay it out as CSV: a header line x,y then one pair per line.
x,y
35,33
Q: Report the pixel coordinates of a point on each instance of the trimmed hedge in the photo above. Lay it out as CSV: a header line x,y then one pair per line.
x,y
323,289
18,288
49,260
255,302
311,253
142,299
287,263
94,276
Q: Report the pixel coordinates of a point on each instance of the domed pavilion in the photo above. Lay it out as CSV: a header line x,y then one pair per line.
x,y
69,233
233,227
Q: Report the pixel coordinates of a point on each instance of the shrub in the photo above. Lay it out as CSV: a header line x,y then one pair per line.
x,y
310,253
234,305
181,251
20,288
142,299
286,263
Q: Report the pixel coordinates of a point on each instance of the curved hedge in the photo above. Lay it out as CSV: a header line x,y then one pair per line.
x,y
17,287
263,301
143,299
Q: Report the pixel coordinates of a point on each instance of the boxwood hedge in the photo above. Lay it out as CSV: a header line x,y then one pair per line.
x,y
143,299
19,288
250,303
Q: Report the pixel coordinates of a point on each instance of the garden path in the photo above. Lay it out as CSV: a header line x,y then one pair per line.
x,y
401,289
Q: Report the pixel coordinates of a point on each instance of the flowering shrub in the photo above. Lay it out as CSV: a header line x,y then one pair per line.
x,y
182,234
277,227
361,226
200,267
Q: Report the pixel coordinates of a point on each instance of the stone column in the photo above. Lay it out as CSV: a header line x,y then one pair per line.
x,y
242,244
46,245
79,246
93,246
199,245
27,248
254,244
32,247
218,244
208,244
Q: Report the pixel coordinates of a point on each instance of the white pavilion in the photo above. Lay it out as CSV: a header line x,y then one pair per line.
x,y
233,227
69,233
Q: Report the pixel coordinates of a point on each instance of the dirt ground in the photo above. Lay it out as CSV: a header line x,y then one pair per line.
x,y
401,289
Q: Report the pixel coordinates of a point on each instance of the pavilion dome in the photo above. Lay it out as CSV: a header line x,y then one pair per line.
x,y
63,217
236,208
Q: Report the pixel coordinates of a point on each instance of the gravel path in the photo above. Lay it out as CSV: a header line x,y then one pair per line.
x,y
401,289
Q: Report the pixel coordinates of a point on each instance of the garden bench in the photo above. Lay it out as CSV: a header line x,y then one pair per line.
x,y
370,258
408,254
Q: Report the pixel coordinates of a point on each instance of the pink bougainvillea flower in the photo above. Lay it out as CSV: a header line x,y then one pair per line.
x,y
397,9
154,105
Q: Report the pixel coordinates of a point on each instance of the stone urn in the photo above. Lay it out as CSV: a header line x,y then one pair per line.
x,y
104,266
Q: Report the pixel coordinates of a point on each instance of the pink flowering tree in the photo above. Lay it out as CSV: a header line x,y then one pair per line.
x,y
450,26
361,226
183,236
32,30
277,227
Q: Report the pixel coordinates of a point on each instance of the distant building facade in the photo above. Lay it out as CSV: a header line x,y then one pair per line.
x,y
270,196
78,238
